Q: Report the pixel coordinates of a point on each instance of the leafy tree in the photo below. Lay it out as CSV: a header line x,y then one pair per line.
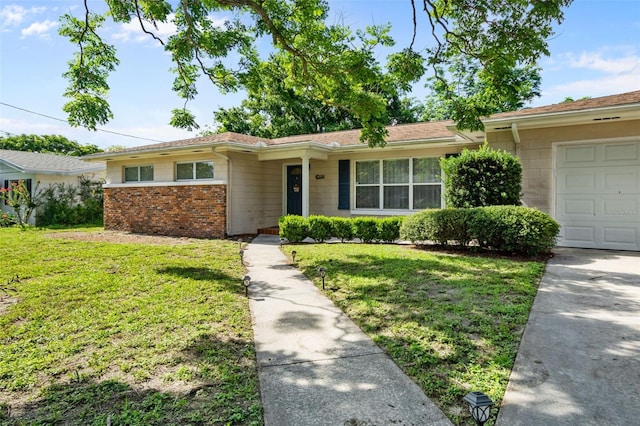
x,y
324,62
569,99
54,144
272,109
472,95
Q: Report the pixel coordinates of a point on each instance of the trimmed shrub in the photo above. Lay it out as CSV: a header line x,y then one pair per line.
x,y
418,227
389,229
293,228
320,228
484,177
342,228
509,229
514,229
366,229
451,225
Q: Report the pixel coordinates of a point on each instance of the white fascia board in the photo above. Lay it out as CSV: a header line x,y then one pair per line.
x,y
564,118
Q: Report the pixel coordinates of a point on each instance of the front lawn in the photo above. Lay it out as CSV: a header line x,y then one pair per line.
x,y
451,322
124,333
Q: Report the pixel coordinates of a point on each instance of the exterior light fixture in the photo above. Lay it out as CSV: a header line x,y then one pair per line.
x,y
479,406
246,281
241,253
282,240
293,256
323,273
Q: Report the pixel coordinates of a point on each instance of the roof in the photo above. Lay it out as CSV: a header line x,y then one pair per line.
x,y
48,164
592,103
399,133
403,134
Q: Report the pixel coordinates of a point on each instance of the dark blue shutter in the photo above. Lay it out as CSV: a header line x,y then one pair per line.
x,y
344,183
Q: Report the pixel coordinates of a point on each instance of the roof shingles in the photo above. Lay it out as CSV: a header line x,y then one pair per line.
x,y
423,131
33,162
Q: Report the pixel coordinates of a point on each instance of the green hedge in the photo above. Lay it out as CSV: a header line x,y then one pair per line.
x,y
293,228
514,229
342,228
509,229
322,228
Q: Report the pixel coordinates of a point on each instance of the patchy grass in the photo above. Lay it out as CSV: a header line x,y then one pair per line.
x,y
451,322
124,333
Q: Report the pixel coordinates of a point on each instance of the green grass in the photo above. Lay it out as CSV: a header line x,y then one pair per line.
x,y
452,322
114,333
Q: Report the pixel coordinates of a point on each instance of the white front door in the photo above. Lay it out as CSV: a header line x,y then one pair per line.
x,y
598,194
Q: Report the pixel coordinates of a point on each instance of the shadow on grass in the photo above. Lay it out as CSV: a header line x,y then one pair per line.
x,y
446,321
214,382
223,280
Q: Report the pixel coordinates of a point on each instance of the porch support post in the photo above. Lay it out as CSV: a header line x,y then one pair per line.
x,y
305,186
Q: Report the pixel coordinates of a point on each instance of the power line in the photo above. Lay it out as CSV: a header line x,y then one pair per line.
x,y
65,121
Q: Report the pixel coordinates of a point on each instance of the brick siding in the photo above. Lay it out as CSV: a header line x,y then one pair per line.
x,y
197,211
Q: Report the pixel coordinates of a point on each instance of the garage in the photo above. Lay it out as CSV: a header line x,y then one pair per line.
x,y
597,194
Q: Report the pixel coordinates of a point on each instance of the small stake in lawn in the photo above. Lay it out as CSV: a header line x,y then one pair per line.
x,y
293,256
246,281
479,406
323,273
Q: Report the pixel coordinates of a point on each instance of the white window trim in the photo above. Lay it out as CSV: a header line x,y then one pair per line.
x,y
381,185
194,178
124,173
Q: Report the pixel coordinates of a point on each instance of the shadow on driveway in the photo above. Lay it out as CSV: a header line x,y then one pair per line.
x,y
579,358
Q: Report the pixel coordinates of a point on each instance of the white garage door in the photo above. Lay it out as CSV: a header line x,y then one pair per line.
x,y
598,195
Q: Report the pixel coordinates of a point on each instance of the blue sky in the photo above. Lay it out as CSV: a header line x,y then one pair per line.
x,y
595,52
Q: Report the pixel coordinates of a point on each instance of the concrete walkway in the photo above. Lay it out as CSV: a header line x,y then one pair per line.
x,y
316,366
579,359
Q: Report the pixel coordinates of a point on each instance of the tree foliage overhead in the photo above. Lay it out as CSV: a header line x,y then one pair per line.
x,y
320,61
51,144
471,91
274,109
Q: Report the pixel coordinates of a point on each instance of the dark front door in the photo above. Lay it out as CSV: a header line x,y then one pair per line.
x,y
294,190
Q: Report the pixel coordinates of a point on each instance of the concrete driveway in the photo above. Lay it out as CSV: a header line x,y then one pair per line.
x,y
579,359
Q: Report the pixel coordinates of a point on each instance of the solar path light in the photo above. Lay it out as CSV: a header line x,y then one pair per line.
x,y
246,281
293,256
323,273
479,406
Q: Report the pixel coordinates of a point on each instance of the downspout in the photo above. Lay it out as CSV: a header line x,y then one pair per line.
x,y
516,138
228,207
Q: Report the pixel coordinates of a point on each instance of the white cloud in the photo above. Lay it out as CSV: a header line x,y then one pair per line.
x,y
40,29
131,31
596,61
592,73
13,15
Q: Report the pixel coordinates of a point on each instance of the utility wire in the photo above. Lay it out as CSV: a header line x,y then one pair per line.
x,y
65,121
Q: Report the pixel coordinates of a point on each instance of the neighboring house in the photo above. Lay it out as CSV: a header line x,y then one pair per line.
x,y
581,164
38,171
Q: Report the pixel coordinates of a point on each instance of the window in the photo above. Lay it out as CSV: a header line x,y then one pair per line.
x,y
138,173
398,184
194,170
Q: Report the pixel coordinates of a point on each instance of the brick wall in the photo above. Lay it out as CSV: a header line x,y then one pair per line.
x,y
197,211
